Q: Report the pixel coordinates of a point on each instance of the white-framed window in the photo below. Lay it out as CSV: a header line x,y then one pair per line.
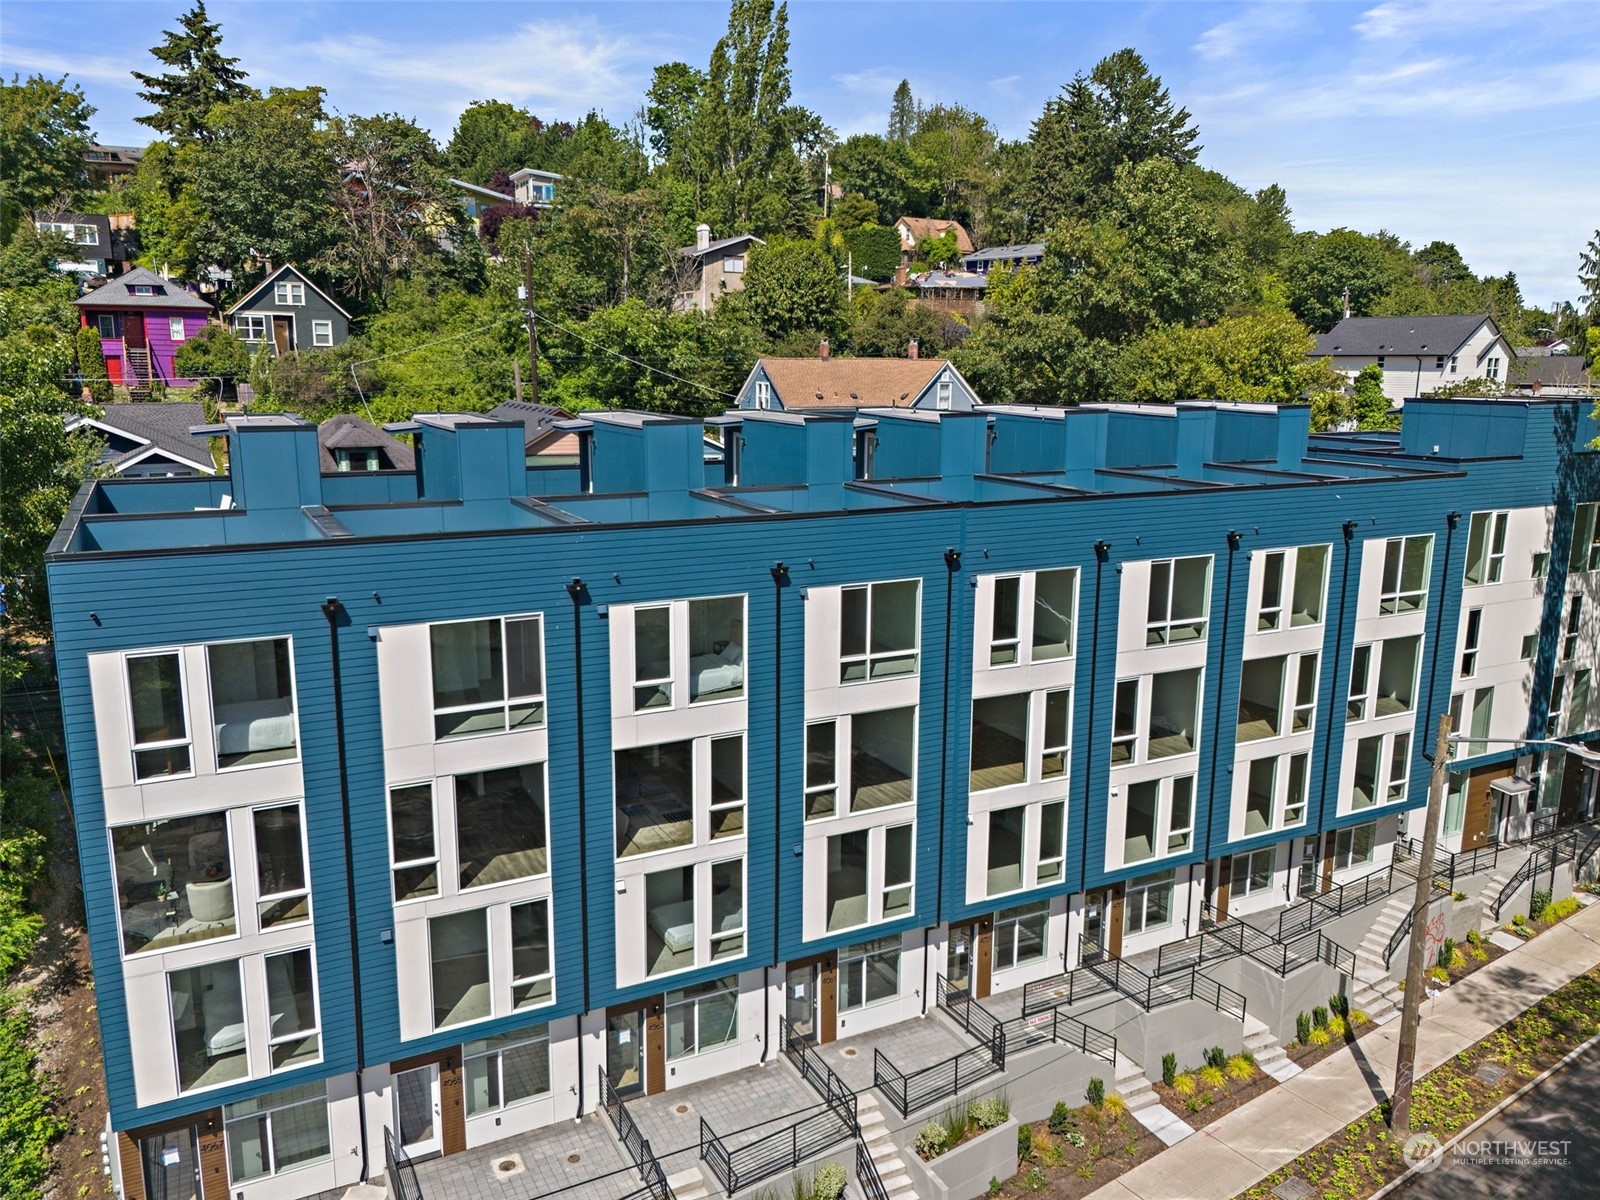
x,y
295,1039
1569,640
143,289
206,1009
1360,683
878,750
413,842
175,882
1156,716
1052,841
660,788
1486,547
1381,360
1382,767
879,630
1352,845
458,961
945,391
1304,713
1180,814
270,1134
898,859
1033,616
286,292
501,831
1469,643
733,265
1383,678
175,331
1438,362
532,964
703,637
763,394
1147,902
283,893
322,333
1555,711
1578,703
727,909
1125,721
702,1017
1482,714
1275,793
1491,368
999,746
869,973
863,864
1530,646
1056,754
1453,364
1021,935
1404,587
1158,813
1294,794
1585,555
507,1069
676,900
157,710
1180,598
250,327
487,675
252,702
86,235
1005,640
1252,873
1269,614
106,323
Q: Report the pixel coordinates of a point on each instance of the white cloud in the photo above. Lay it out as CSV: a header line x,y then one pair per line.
x,y
1257,23
108,70
1393,20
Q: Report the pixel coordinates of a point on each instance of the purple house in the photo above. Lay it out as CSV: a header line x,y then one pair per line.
x,y
143,319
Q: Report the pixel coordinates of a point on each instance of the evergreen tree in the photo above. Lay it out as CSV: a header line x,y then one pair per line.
x,y
902,114
1589,277
204,77
92,365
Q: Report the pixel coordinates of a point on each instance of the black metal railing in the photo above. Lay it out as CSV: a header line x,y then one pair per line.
x,y
1152,992
652,1178
1402,931
1216,944
737,1167
1344,897
867,1174
1042,995
803,1056
1545,857
1585,853
1069,1031
402,1175
978,1021
910,1091
1303,950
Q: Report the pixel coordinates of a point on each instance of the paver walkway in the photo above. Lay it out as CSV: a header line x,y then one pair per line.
x,y
1248,1144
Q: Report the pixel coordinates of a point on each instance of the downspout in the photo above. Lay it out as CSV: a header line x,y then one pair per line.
x,y
780,576
1102,554
1222,660
952,564
1350,528
1452,519
332,609
577,591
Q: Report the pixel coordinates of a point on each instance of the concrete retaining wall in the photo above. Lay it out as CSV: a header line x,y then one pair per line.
x,y
1275,1000
964,1173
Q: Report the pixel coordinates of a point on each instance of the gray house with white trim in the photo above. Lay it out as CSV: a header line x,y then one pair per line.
x,y
1419,354
289,312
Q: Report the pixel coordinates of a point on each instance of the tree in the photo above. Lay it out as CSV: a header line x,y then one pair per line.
x,y
674,91
1259,359
1369,407
1323,266
30,257
884,323
951,152
903,112
874,251
168,213
203,78
793,288
92,365
942,251
213,356
853,210
879,170
1589,277
44,130
1267,234
1116,115
488,138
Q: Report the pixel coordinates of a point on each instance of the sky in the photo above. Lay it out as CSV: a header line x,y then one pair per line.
x,y
1471,121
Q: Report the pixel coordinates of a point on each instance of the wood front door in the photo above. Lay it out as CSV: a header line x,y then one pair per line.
x,y
636,1049
1114,923
282,335
1224,884
1478,818
983,955
133,330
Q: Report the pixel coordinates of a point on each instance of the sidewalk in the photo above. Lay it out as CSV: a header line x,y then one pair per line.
x,y
1251,1142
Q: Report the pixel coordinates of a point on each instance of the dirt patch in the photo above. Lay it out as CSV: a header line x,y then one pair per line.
x,y
1056,1168
1203,1105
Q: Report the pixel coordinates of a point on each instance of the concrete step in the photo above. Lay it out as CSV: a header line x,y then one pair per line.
x,y
689,1185
1267,1051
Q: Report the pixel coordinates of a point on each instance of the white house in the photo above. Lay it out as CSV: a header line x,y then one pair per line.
x,y
1419,354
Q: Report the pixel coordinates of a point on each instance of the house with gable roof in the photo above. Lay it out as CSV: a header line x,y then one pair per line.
x,y
289,312
143,319
1419,354
149,441
787,384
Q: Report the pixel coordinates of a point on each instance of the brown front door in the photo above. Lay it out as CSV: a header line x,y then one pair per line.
x,y
1478,818
282,335
1114,923
811,991
636,1049
983,968
133,330
1224,883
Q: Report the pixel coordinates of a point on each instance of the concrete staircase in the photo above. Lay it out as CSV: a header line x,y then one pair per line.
x,y
1144,1105
1375,992
881,1149
689,1185
1267,1051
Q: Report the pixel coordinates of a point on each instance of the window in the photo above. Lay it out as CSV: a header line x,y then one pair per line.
x,y
86,235
896,872
1055,600
727,786
1294,799
1259,795
1310,574
716,648
252,702
532,971
1469,647
652,658
206,1005
869,972
357,460
106,323
1438,362
1021,935
1007,827
156,707
1261,698
1381,359
1556,709
1397,676
250,328
999,742
1125,721
1585,555
1486,547
1569,643
1057,748
733,265
945,390
175,331
1455,804
1147,903
458,951
277,1132
702,1017
282,897
1005,632
1404,586
1530,646
882,758
1181,825
847,879
1453,364
488,675
1252,872
1305,694
1270,612
1360,683
507,1069
878,630
292,1004
174,882
822,769
1482,714
1052,841
1352,846
1139,828
412,845
1577,706
763,394
727,909
655,798
143,289
1364,785
1399,768
500,825
289,293
1491,368
1174,713
1179,599
669,936
322,333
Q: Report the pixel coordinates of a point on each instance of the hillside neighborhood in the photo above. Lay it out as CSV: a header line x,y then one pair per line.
x,y
696,655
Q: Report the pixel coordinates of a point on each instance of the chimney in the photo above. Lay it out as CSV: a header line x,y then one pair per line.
x,y
702,236
911,350
822,350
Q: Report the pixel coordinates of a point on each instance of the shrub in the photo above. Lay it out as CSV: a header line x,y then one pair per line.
x,y
1319,1037
1095,1093
1183,1084
1116,1107
92,365
1024,1142
1302,1028
1339,1003
1194,1104
932,1140
1474,938
829,1182
1447,951
1537,905
1060,1118
30,1123
994,1180
1169,1068
1438,975
1216,1057
1075,1138
988,1112
1319,1017
1337,1027
1358,1018
1458,897
1561,909
1240,1067
1211,1077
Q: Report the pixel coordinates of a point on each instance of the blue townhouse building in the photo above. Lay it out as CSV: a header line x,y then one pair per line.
x,y
419,806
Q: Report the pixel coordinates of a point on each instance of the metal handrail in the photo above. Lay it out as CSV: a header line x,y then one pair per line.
x,y
1150,992
1552,852
978,1021
633,1140
872,1186
779,1151
805,1059
909,1091
402,1175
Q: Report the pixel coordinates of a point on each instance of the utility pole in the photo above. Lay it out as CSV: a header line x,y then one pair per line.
x,y
525,294
1416,967
827,186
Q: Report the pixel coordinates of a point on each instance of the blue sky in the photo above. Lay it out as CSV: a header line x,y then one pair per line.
x,y
1475,122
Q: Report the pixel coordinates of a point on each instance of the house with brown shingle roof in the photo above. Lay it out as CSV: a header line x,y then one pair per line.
x,y
784,384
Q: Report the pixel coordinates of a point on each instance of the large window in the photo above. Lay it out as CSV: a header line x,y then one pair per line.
x,y
1397,676
207,1011
1261,698
507,1069
1005,636
252,701
869,972
1180,595
1021,935
822,769
174,882
1251,873
897,872
1310,574
532,970
1364,783
999,742
883,755
270,1134
1174,713
1147,903
847,879
727,909
1585,554
716,648
702,1017
292,1004
1139,830
1260,793
655,798
160,728
878,630
727,786
1055,599
1007,830
289,293
488,675
1352,846
669,920
458,949
652,658
413,845
1125,721
1404,587
1269,612
500,825
283,897
1486,547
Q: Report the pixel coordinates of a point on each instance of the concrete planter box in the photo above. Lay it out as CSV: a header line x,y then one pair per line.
x,y
964,1173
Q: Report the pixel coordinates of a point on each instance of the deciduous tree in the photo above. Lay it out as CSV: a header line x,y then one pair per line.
x,y
1323,266
1258,359
44,130
792,288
